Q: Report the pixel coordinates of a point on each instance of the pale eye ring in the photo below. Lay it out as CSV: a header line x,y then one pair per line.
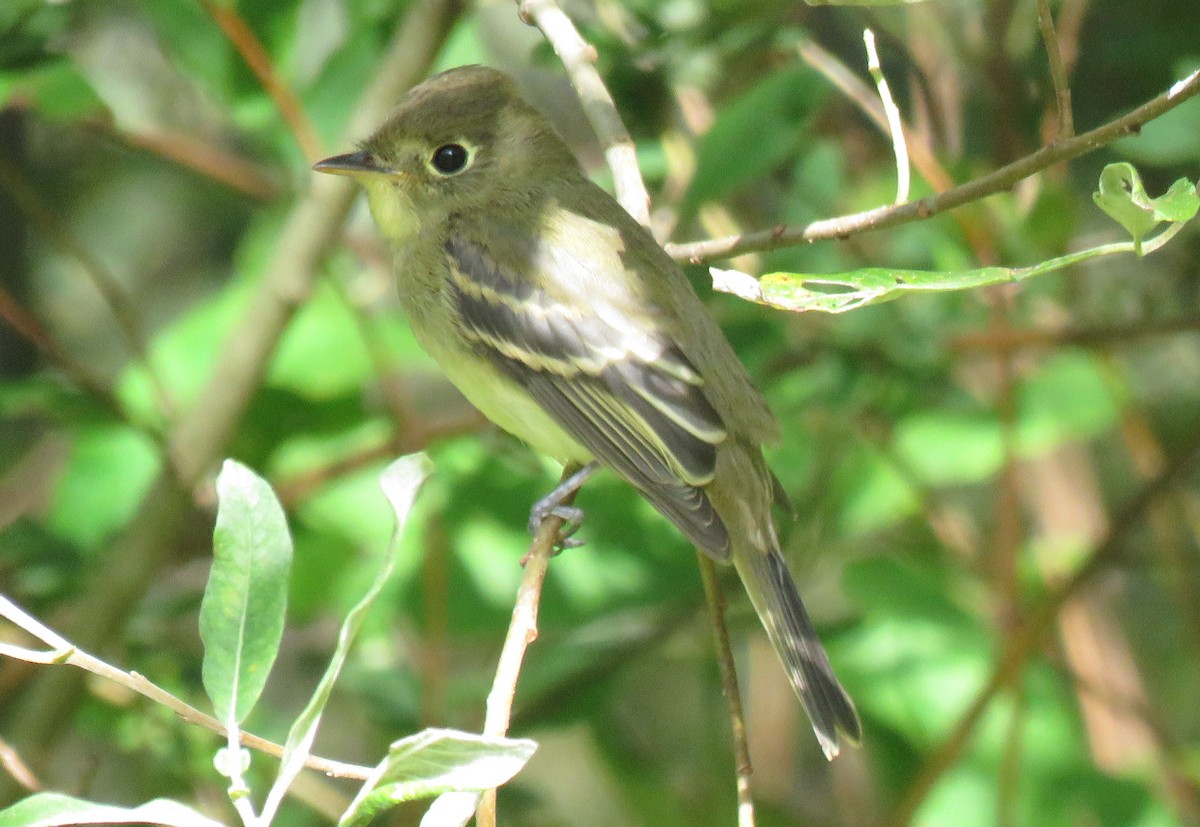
x,y
449,159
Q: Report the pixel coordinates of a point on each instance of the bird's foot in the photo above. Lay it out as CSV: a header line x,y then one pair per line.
x,y
554,505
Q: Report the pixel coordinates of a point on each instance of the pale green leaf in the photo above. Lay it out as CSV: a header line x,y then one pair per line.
x,y
55,810
400,482
434,762
242,613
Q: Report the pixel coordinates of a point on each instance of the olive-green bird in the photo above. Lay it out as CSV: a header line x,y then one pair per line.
x,y
567,325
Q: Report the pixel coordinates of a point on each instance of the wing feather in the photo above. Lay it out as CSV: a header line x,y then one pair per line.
x,y
625,392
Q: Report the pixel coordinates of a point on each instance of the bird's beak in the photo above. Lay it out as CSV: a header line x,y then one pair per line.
x,y
351,164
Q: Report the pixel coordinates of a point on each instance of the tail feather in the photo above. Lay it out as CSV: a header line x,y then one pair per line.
x,y
777,602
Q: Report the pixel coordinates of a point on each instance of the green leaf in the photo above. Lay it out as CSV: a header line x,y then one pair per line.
x,y
52,810
400,482
434,762
1123,197
242,613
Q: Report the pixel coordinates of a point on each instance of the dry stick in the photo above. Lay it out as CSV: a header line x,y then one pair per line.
x,y
729,685
63,652
11,763
201,435
1037,623
259,61
1058,72
579,58
1002,179
522,631
849,84
895,125
916,148
199,155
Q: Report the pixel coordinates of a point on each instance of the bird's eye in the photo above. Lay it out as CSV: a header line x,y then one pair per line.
x,y
450,158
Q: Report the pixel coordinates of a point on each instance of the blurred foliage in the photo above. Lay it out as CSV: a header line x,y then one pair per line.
x,y
953,457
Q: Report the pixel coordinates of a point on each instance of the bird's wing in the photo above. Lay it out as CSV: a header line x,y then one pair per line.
x,y
612,380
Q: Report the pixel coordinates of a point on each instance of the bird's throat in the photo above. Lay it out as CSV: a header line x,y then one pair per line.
x,y
392,209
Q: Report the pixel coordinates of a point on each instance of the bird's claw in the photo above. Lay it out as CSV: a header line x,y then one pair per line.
x,y
572,517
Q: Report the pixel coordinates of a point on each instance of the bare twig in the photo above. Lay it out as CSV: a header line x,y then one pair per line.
x,y
1058,72
62,651
1038,622
11,763
894,122
729,685
849,84
522,631
251,49
201,156
1002,179
579,59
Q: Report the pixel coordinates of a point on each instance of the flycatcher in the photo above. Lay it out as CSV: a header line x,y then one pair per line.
x,y
566,324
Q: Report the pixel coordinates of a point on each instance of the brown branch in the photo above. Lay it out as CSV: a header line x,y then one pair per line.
x,y
200,156
859,93
579,59
258,59
522,631
1037,624
63,652
729,685
701,252
1058,72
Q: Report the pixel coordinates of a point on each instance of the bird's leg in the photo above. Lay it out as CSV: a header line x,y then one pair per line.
x,y
553,505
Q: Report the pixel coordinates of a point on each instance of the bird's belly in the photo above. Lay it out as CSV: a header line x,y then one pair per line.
x,y
502,401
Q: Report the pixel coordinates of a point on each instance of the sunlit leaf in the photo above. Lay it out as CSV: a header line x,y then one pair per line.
x,y
242,614
400,482
55,810
434,762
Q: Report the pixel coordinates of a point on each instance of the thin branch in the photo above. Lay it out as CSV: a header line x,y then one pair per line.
x,y
1038,623
11,763
701,252
849,84
522,631
1058,72
62,651
579,59
239,173
258,59
895,124
917,148
729,685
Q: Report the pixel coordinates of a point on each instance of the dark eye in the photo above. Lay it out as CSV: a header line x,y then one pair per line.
x,y
449,158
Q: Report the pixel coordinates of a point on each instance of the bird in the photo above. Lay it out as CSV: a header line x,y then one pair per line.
x,y
564,322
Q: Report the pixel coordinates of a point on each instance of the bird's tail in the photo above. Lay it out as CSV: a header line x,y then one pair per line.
x,y
777,601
